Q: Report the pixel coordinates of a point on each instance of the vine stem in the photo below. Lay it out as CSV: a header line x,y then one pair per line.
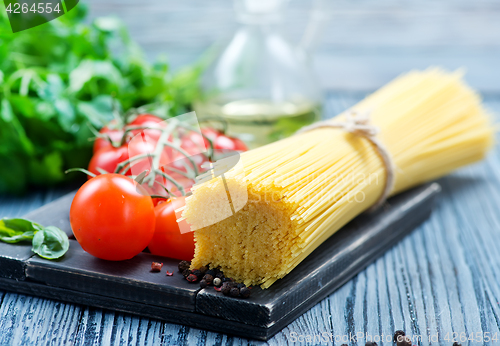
x,y
158,150
80,170
155,156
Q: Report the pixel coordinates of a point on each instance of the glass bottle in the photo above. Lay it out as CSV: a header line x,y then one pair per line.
x,y
261,85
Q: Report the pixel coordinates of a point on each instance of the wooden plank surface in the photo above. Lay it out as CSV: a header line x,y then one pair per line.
x,y
443,278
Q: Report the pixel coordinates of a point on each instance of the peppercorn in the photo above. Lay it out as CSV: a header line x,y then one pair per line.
x,y
234,292
398,335
186,273
219,275
245,292
211,272
198,273
203,284
227,280
183,265
208,278
241,285
217,282
226,288
192,278
370,343
405,342
156,266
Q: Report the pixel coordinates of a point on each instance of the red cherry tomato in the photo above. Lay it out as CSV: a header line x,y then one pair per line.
x,y
108,159
147,120
231,143
167,240
112,217
220,141
113,131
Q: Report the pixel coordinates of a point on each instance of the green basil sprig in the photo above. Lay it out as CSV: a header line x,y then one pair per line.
x,y
48,242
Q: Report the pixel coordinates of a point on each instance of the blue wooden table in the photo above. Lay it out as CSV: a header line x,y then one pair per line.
x,y
442,279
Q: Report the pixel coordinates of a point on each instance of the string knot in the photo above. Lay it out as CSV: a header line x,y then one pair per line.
x,y
359,123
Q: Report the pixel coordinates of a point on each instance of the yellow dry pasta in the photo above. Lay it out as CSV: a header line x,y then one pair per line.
x,y
302,189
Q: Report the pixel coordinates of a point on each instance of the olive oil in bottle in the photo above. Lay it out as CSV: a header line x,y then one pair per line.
x,y
259,122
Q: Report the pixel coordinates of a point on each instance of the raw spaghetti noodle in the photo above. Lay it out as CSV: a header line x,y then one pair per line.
x,y
302,189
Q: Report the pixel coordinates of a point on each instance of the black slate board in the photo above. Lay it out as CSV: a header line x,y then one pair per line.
x,y
129,286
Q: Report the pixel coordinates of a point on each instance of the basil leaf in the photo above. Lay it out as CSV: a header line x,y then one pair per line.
x,y
50,243
16,230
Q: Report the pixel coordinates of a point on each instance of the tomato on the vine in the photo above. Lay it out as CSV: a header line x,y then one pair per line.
x,y
219,141
167,240
114,132
112,217
231,143
147,120
108,159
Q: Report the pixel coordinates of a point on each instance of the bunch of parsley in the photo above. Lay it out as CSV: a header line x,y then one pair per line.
x,y
57,78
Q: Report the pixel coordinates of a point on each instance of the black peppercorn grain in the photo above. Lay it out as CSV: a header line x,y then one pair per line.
x,y
406,341
197,273
186,273
235,292
219,275
398,335
203,284
208,278
211,272
183,265
226,289
245,292
240,286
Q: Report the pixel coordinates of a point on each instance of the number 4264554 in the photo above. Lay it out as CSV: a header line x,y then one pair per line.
x,y
39,8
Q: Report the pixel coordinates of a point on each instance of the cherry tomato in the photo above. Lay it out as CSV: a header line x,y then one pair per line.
x,y
167,240
108,159
147,120
231,143
112,217
113,131
220,141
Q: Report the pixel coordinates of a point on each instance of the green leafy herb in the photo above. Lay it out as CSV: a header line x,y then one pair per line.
x,y
48,242
58,77
16,230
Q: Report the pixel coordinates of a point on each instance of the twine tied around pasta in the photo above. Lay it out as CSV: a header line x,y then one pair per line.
x,y
359,124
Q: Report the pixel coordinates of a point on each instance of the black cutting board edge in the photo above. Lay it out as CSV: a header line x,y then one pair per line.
x,y
268,311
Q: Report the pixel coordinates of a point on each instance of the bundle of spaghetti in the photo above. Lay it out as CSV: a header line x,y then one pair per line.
x,y
304,188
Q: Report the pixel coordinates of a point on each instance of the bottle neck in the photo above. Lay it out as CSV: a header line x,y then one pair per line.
x,y
259,12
